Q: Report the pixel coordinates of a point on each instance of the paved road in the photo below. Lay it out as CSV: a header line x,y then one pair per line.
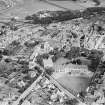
x,y
26,92
69,92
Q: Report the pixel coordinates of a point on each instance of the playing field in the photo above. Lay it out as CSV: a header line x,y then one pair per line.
x,y
76,83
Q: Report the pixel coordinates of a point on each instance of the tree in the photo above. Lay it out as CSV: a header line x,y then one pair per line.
x,y
97,2
71,102
28,18
73,53
49,71
95,57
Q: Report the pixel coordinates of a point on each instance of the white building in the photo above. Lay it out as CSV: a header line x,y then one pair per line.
x,y
75,70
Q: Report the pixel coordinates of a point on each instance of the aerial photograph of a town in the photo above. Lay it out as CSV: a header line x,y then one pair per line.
x,y
52,52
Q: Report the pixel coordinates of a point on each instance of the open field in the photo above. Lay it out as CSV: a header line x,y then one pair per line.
x,y
76,83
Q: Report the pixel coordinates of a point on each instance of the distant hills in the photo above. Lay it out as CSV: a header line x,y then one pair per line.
x,y
47,17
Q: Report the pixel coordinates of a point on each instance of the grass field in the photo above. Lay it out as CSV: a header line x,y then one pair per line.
x,y
76,83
